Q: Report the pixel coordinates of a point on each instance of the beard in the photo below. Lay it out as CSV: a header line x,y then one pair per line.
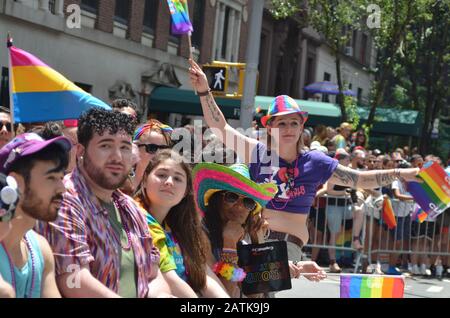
x,y
36,208
98,176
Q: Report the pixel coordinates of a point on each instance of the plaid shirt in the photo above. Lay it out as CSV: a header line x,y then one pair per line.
x,y
82,235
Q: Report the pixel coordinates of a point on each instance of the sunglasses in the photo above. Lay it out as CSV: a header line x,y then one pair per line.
x,y
153,148
8,126
231,197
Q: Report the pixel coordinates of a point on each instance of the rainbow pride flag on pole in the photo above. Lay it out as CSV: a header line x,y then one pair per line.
x,y
388,214
433,195
180,17
39,93
372,286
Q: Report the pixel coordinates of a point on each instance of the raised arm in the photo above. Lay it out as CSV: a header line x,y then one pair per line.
x,y
239,143
373,179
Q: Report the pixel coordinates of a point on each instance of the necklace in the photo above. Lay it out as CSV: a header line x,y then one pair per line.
x,y
289,178
33,269
125,227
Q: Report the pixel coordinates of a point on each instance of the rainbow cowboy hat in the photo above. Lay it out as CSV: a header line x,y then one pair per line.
x,y
209,178
283,105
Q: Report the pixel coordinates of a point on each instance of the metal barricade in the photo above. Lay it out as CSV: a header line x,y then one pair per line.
x,y
330,218
411,237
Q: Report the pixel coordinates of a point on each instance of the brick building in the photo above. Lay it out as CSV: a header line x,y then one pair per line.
x,y
124,48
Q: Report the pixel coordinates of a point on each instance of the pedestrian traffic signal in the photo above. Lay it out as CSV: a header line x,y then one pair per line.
x,y
217,78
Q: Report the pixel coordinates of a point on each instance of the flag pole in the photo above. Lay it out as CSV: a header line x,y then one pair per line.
x,y
9,44
191,48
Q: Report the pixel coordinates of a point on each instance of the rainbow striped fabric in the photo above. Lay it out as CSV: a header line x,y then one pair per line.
x,y
373,286
40,94
433,195
388,214
419,214
180,17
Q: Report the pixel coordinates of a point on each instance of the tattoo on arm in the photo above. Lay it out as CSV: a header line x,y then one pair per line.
x,y
213,108
345,176
384,178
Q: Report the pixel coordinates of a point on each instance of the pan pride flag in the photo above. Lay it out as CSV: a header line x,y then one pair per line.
x,y
433,195
180,17
40,94
372,286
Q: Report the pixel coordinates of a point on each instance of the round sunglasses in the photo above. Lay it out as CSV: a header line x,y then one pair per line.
x,y
153,148
232,198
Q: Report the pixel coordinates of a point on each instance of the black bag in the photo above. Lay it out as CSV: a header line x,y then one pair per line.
x,y
266,266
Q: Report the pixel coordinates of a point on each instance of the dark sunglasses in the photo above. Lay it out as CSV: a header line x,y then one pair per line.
x,y
153,148
231,197
8,126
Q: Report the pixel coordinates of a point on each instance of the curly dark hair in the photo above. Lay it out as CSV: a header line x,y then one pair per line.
x,y
98,120
123,103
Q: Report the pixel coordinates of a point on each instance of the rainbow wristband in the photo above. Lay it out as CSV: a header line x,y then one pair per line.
x,y
229,271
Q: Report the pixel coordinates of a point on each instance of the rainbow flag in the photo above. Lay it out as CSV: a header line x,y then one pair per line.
x,y
373,286
40,94
433,195
180,17
388,214
419,214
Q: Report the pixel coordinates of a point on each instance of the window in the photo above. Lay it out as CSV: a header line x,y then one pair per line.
x,y
326,97
363,49
122,11
359,96
4,88
90,6
86,87
150,15
227,30
52,6
199,9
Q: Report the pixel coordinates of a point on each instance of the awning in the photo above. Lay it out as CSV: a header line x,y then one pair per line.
x,y
389,120
174,100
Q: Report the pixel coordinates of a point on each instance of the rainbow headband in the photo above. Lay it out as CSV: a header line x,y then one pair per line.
x,y
147,127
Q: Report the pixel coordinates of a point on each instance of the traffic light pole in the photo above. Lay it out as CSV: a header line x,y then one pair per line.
x,y
252,60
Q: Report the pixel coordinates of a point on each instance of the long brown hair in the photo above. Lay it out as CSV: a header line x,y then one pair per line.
x,y
184,221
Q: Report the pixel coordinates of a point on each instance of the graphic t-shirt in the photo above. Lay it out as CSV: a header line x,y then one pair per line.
x,y
171,257
297,182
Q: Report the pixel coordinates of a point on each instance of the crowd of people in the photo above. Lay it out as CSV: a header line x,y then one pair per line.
x,y
103,206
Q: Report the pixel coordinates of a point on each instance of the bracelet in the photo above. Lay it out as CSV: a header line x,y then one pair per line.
x,y
229,257
202,94
229,271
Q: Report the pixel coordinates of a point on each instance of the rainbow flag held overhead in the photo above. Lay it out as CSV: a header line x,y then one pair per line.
x,y
373,286
388,214
40,94
180,17
433,195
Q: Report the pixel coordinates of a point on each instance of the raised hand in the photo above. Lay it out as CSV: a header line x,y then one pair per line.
x,y
198,78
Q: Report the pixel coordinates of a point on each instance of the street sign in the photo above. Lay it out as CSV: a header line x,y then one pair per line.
x,y
217,78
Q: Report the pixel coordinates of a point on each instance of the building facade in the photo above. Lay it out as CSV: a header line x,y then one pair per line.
x,y
291,57
123,48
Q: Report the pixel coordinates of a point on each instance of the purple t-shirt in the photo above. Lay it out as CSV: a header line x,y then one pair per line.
x,y
297,182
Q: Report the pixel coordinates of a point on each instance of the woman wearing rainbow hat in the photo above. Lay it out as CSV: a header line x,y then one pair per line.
x,y
296,173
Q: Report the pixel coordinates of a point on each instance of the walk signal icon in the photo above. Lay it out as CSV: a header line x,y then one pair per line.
x,y
217,78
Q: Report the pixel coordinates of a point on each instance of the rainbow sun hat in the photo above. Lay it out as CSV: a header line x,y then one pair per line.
x,y
209,178
283,105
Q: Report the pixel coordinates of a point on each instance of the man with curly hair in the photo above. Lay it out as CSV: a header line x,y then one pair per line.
x,y
101,241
